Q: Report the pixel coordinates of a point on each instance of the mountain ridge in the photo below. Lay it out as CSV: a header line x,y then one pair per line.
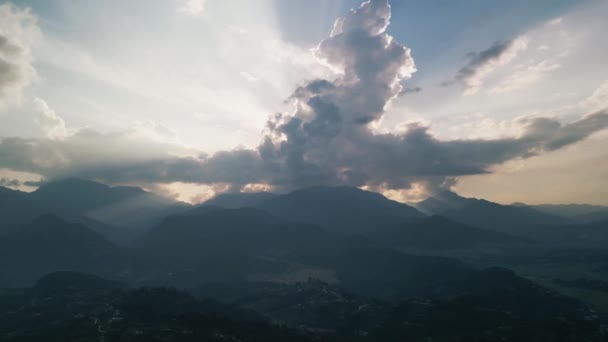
x,y
486,214
340,209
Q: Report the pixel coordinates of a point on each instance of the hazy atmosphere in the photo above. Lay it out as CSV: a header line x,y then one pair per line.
x,y
303,171
190,98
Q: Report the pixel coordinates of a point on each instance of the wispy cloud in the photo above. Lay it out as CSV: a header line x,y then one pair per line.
x,y
526,76
483,63
192,7
599,99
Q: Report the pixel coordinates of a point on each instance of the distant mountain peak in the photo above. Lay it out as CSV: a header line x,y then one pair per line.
x,y
448,199
56,224
228,214
74,182
339,208
336,190
118,206
483,213
87,185
448,194
238,199
440,202
345,209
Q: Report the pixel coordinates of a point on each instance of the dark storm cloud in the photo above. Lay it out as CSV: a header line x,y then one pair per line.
x,y
359,157
326,140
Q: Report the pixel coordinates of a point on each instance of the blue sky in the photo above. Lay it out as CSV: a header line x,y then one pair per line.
x,y
189,78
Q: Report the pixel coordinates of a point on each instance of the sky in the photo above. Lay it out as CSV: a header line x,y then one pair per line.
x,y
506,101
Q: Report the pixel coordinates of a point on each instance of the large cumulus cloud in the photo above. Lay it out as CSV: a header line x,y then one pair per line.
x,y
326,139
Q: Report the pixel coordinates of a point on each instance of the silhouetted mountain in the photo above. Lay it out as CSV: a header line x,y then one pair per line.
x,y
486,214
233,243
119,206
341,209
17,208
214,244
212,231
83,196
354,211
582,235
335,259
582,213
50,244
239,199
439,233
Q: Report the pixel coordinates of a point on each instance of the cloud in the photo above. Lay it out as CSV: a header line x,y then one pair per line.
x,y
248,76
599,98
18,30
86,152
10,183
51,123
413,90
192,7
526,76
549,135
384,161
480,64
327,139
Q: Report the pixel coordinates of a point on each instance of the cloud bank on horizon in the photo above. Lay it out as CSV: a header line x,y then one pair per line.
x,y
327,139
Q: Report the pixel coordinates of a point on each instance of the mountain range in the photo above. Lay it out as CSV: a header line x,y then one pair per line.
x,y
48,244
579,213
313,245
340,209
125,207
118,213
486,214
